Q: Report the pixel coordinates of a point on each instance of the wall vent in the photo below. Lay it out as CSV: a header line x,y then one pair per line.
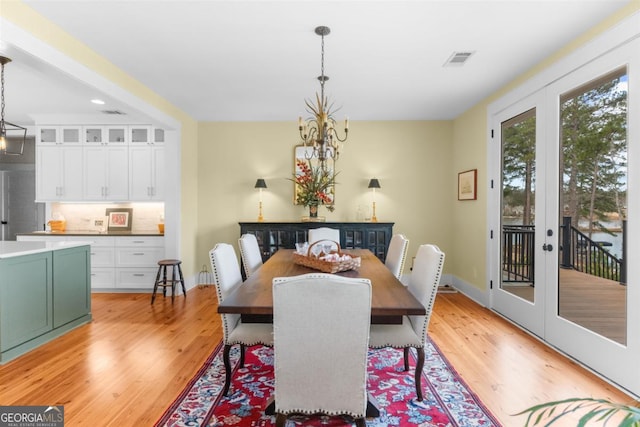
x,y
458,59
116,112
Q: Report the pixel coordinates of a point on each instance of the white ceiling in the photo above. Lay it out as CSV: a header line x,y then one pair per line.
x,y
258,60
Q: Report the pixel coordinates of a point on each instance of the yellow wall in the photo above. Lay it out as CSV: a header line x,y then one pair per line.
x,y
412,160
467,258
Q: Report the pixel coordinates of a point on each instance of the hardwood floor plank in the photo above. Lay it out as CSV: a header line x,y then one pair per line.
x,y
508,369
128,365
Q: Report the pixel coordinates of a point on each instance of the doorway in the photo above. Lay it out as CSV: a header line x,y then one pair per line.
x,y
561,214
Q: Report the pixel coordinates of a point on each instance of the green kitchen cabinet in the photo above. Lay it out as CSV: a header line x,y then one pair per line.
x,y
26,291
72,285
42,296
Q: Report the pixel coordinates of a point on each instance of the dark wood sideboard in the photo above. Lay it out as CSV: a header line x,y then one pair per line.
x,y
272,236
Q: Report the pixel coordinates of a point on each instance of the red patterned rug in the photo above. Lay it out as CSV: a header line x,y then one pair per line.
x,y
447,399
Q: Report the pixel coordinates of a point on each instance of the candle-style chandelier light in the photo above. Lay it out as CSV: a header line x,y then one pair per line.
x,y
319,131
7,147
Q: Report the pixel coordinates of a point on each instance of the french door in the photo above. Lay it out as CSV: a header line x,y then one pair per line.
x,y
564,201
519,213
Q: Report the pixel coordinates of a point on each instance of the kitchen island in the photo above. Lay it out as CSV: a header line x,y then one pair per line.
x,y
45,291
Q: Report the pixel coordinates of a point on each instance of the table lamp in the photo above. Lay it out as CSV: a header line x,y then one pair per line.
x,y
260,184
373,184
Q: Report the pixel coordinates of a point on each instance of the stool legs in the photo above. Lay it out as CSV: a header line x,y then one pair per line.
x,y
184,290
155,286
161,279
164,281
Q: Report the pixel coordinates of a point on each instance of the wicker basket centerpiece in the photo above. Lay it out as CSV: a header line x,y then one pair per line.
x,y
333,262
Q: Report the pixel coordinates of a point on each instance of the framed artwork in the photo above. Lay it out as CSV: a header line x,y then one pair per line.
x,y
468,185
119,219
304,154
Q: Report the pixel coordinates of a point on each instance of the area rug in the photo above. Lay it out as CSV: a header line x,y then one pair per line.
x,y
448,401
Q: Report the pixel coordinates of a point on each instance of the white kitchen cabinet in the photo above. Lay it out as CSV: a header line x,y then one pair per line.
x,y
115,163
55,135
137,261
106,135
94,135
123,263
106,173
71,134
48,135
117,135
158,136
140,135
146,172
59,173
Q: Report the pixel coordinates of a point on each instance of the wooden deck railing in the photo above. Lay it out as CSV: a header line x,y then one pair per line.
x,y
588,256
518,253
577,251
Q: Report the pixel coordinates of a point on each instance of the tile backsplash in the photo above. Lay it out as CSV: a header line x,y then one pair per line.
x,y
87,217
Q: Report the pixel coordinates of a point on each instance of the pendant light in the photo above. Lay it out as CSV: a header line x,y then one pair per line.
x,y
9,147
320,131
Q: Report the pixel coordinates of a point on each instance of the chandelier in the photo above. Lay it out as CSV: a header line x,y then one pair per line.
x,y
5,144
319,131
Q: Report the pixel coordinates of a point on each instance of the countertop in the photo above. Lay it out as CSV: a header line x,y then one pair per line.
x,y
10,249
91,233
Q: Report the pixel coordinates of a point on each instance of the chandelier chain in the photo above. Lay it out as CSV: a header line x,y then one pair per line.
x,y
322,79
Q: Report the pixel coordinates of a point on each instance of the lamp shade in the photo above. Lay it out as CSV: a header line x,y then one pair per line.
x,y
260,183
374,183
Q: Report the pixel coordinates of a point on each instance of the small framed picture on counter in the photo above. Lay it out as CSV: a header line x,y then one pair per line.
x,y
119,219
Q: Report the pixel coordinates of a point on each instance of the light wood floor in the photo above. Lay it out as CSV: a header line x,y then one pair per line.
x,y
128,365
593,302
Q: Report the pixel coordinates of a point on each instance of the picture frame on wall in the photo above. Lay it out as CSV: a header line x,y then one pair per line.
x,y
468,185
119,219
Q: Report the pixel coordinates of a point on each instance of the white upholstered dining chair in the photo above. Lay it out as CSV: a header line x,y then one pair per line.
x,y
227,277
423,284
323,233
249,253
321,329
397,254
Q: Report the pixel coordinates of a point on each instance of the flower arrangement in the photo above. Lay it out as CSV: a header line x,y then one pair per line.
x,y
314,185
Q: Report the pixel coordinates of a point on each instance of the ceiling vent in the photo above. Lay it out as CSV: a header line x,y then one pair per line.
x,y
116,112
458,59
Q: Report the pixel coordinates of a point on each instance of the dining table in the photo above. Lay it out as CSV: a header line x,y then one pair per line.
x,y
390,299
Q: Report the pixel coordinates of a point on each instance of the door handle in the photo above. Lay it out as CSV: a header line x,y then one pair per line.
x,y
547,247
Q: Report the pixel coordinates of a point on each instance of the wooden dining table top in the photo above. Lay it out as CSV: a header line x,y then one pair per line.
x,y
390,299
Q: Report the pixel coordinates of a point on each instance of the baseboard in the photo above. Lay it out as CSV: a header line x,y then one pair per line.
x,y
480,296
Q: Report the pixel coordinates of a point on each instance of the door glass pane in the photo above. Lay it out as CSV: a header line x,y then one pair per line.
x,y
592,288
518,204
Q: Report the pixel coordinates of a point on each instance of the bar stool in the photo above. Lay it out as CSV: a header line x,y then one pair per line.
x,y
164,282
